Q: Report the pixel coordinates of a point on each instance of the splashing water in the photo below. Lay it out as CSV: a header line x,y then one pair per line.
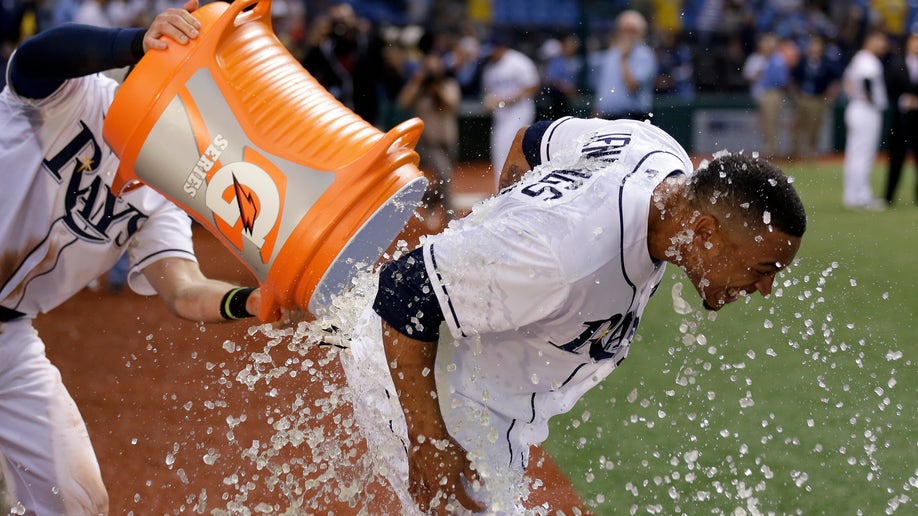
x,y
316,454
803,383
680,305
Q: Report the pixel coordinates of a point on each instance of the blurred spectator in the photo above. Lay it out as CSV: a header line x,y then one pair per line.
x,y
561,70
63,11
288,18
94,12
675,73
866,91
509,81
127,13
768,74
902,90
626,71
464,62
817,21
433,96
852,17
730,63
816,84
345,56
710,16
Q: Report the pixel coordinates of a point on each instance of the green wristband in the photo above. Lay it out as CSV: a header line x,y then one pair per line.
x,y
232,306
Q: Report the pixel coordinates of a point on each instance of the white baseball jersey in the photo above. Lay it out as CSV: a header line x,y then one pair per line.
x,y
508,78
866,66
60,224
544,286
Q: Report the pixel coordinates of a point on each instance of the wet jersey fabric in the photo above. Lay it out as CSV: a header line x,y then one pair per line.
x,y
60,224
543,286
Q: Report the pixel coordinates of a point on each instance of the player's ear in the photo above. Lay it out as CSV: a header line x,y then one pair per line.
x,y
705,229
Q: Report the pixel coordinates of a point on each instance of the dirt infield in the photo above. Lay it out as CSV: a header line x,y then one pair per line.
x,y
174,429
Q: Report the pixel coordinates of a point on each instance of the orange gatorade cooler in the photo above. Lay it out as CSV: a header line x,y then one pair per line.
x,y
233,130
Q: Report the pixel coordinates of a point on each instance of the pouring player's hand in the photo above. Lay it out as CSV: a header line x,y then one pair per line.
x,y
435,471
178,24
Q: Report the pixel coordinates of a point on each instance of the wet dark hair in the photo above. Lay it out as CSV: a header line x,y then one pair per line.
x,y
749,186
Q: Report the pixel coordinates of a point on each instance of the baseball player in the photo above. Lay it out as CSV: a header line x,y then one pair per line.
x,y
539,293
510,81
61,226
866,90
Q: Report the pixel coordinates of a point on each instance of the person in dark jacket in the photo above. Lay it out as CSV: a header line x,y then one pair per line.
x,y
902,89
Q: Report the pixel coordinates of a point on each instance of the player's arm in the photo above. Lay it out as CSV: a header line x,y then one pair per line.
x,y
531,144
516,164
525,153
43,62
436,462
191,295
411,319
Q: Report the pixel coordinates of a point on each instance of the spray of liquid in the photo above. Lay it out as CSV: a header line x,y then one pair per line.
x,y
734,447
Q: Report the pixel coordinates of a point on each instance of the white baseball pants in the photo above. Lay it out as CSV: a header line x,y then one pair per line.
x,y
864,124
45,453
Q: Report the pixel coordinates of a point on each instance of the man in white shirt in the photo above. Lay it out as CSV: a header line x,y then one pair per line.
x,y
510,81
540,291
61,227
864,85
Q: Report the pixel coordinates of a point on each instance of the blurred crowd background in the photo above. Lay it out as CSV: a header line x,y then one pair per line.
x,y
699,46
388,59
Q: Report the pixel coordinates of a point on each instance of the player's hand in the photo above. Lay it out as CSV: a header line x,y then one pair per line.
x,y
435,471
288,318
908,101
627,45
281,318
178,24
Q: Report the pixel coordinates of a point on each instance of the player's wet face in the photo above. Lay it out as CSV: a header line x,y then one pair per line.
x,y
741,263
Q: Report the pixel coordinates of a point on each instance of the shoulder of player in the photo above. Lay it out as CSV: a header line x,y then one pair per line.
x,y
86,92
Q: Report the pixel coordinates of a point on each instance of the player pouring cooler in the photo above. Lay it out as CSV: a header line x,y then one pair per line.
x,y
62,225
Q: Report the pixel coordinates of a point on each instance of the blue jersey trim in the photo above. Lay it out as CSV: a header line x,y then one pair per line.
x,y
532,142
406,299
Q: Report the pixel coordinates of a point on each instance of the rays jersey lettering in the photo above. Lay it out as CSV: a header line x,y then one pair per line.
x,y
607,147
91,210
605,337
554,184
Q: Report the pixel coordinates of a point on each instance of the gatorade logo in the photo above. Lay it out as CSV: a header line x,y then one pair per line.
x,y
246,201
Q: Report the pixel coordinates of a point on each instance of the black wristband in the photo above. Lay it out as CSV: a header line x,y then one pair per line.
x,y
232,306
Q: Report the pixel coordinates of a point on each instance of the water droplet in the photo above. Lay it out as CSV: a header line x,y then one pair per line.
x,y
680,305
